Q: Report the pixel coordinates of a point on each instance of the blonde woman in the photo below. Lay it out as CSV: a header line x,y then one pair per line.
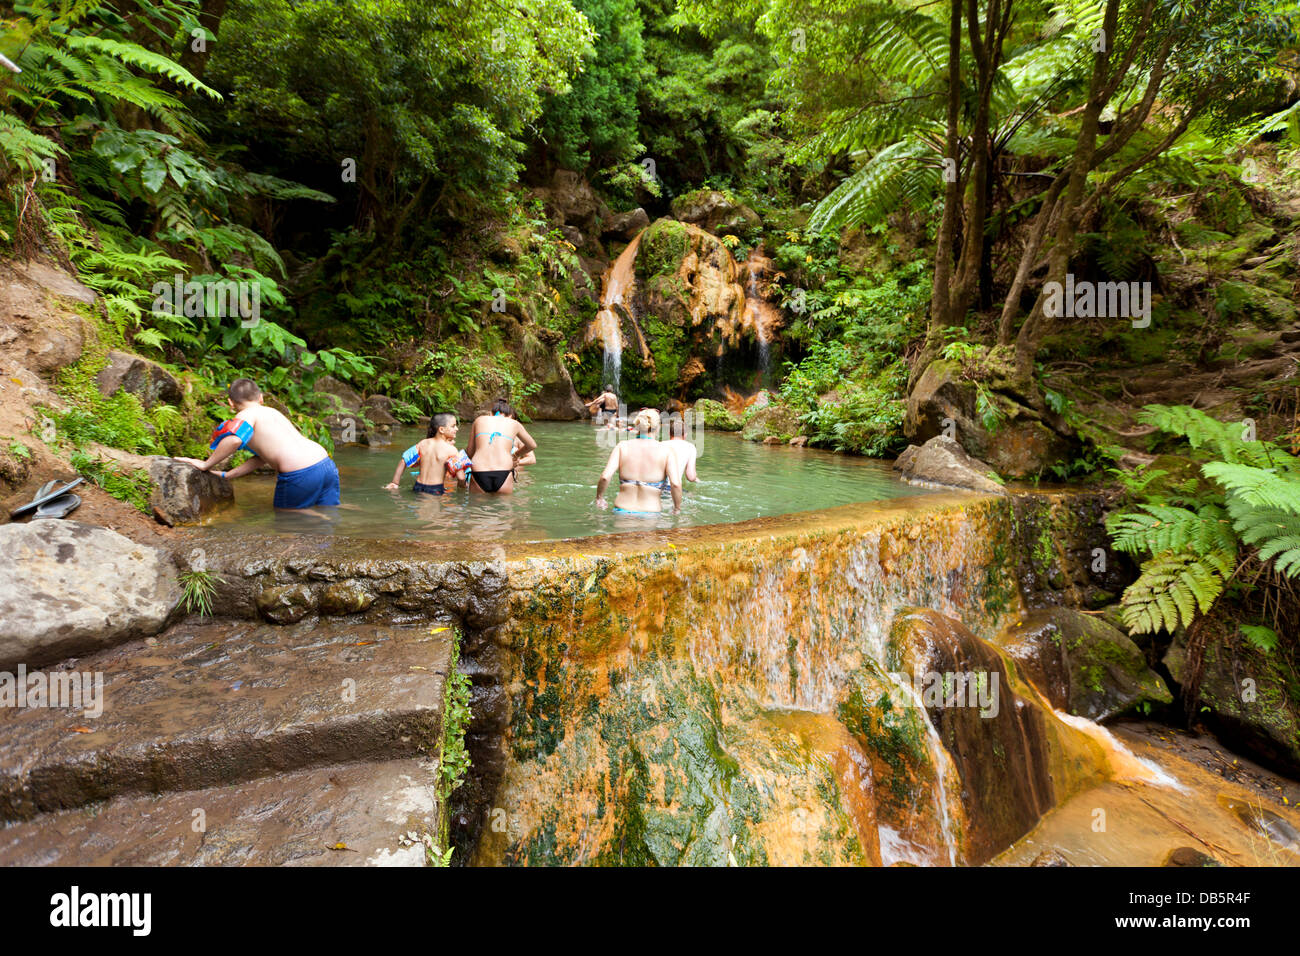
x,y
644,466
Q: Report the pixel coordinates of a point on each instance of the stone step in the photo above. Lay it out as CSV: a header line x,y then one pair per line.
x,y
214,704
351,815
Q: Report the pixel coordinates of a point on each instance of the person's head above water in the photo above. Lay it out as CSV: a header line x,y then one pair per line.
x,y
609,388
502,407
676,427
244,391
440,421
647,422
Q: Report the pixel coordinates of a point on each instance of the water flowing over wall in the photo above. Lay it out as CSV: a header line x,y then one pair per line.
x,y
746,700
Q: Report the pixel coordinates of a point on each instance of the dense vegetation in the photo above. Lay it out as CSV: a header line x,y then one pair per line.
x,y
922,175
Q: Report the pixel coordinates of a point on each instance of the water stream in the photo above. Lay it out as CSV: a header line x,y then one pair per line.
x,y
618,283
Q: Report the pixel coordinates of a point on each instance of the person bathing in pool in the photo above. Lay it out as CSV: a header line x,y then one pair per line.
x,y
437,456
307,474
608,403
686,451
643,465
496,446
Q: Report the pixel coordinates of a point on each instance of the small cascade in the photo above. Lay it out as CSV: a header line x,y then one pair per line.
x,y
760,314
618,282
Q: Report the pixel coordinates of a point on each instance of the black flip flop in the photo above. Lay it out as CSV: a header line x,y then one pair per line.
x,y
59,507
45,495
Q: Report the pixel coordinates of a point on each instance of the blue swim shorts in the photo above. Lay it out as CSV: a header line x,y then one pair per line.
x,y
316,484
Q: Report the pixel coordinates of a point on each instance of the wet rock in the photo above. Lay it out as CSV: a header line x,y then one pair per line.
x,y
942,401
1081,664
70,588
348,428
1250,696
147,380
799,441
182,493
345,597
962,683
773,424
715,415
1189,856
1050,858
942,461
286,603
715,211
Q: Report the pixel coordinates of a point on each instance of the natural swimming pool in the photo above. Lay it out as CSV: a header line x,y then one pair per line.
x,y
554,498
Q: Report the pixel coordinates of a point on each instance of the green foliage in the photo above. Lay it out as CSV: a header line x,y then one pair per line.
x,y
198,588
1263,639
133,487
1248,497
455,723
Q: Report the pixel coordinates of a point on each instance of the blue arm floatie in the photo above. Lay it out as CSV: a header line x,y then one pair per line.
x,y
237,427
411,457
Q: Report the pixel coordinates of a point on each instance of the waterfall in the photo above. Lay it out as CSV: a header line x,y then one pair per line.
x,y
759,313
618,281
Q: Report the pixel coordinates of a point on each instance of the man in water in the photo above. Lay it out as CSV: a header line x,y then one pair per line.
x,y
307,474
608,402
685,451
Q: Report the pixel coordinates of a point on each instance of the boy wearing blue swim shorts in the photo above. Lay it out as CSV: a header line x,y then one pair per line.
x,y
307,476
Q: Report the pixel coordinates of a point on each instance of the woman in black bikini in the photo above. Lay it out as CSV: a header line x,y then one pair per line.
x,y
494,451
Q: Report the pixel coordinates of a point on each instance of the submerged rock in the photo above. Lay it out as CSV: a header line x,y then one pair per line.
x,y
182,493
1082,664
70,588
942,461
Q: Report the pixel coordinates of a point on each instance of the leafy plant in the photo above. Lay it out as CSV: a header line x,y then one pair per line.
x,y
198,588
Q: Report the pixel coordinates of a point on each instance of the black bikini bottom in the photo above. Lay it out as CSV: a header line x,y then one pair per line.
x,y
491,481
429,489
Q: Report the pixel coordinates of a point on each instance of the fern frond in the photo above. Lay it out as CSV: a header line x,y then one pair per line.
x,y
1172,588
137,56
1166,528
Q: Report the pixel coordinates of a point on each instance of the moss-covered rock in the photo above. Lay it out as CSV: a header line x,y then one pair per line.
x,y
773,421
715,415
1248,697
1082,664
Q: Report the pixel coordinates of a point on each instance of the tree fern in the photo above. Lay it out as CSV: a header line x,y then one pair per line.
x,y
1160,528
1172,588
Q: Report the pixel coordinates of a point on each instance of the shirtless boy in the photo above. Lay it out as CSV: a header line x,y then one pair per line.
x,y
307,474
436,455
686,451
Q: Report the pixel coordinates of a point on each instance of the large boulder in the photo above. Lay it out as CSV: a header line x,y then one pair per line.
x,y
715,211
570,200
715,415
942,461
71,588
943,402
379,409
182,493
1247,697
625,225
556,399
147,380
1082,664
770,421
349,400
40,328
